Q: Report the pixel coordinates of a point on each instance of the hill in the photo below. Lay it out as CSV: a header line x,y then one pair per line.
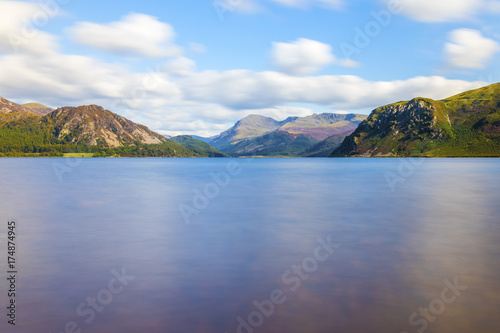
x,y
464,125
38,108
92,125
10,111
202,138
198,146
85,128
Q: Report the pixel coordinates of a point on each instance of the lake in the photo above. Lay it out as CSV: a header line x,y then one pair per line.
x,y
252,245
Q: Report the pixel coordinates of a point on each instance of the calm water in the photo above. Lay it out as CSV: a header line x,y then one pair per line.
x,y
339,245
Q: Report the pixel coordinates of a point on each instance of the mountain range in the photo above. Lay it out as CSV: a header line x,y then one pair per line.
x,y
315,135
464,125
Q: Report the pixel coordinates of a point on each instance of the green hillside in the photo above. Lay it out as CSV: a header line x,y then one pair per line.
x,y
197,146
464,125
85,129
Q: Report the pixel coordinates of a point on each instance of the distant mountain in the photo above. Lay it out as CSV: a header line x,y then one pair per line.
x,y
278,143
322,126
327,146
250,127
259,135
467,124
197,146
38,108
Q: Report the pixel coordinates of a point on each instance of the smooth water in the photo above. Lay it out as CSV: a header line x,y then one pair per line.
x,y
253,245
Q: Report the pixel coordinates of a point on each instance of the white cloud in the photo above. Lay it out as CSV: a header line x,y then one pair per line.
x,y
61,80
203,103
305,56
469,49
197,47
180,66
19,23
493,6
446,10
174,98
241,89
135,34
348,63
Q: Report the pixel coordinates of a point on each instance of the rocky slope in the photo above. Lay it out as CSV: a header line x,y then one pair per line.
x,y
322,126
467,124
92,125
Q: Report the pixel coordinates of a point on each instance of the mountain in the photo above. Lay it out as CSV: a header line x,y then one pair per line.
x,y
197,146
263,136
250,127
322,126
10,111
327,146
92,125
38,108
278,143
83,129
464,125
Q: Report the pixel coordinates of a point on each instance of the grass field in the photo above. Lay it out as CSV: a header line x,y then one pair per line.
x,y
78,155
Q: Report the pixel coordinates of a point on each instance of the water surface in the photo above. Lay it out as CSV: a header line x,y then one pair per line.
x,y
403,232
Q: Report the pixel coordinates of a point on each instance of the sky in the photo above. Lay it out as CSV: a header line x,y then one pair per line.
x,y
196,67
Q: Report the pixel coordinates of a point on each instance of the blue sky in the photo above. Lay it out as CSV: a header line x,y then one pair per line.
x,y
196,67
